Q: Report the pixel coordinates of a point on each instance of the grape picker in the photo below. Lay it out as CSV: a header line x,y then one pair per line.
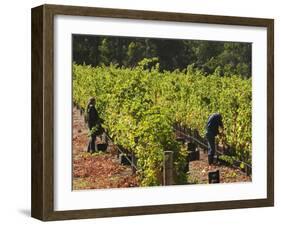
x,y
212,130
94,123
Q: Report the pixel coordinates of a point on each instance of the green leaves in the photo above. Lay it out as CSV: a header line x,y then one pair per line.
x,y
140,105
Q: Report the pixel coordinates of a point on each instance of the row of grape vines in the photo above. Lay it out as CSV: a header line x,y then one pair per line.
x,y
140,105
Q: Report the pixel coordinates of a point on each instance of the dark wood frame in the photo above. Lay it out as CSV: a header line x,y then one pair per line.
x,y
42,203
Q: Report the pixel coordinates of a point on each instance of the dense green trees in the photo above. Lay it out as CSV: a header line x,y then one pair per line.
x,y
224,58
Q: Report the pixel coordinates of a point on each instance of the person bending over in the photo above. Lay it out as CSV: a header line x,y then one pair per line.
x,y
212,130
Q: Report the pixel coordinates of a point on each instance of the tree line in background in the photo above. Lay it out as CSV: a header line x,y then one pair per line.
x,y
223,58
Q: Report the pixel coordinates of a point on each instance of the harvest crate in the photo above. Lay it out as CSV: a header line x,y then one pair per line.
x,y
102,146
124,159
214,177
194,155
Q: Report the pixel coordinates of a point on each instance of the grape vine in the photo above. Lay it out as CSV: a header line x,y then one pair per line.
x,y
140,105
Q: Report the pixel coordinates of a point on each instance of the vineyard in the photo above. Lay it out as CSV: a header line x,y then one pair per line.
x,y
140,107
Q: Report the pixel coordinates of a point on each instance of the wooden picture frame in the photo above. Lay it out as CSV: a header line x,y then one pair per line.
x,y
43,107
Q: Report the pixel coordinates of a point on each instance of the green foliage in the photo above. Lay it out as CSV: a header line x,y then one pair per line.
x,y
95,130
140,106
208,56
227,159
180,165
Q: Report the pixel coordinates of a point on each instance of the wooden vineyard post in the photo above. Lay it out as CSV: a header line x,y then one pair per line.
x,y
188,131
134,163
168,168
187,165
103,138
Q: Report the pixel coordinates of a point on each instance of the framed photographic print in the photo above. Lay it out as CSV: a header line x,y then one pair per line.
x,y
141,112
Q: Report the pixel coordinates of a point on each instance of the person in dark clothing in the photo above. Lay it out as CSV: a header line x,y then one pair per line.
x,y
212,130
93,121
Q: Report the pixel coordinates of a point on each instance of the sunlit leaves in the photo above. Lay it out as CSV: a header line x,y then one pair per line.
x,y
140,105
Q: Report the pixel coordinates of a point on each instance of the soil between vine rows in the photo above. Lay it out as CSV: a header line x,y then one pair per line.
x,y
103,170
98,170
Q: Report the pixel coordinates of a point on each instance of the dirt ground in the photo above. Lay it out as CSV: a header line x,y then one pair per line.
x,y
103,170
97,170
199,172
